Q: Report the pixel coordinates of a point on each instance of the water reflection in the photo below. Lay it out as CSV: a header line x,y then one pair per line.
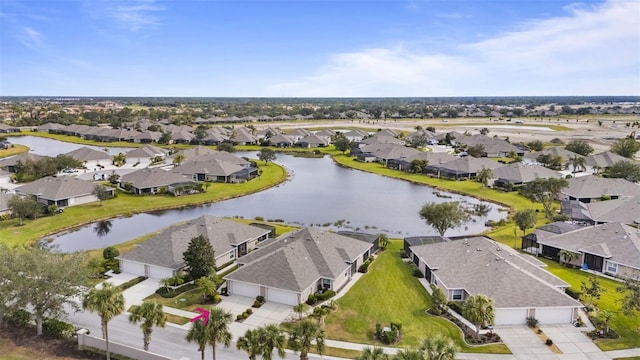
x,y
102,228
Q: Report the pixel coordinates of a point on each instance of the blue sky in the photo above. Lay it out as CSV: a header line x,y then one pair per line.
x,y
319,48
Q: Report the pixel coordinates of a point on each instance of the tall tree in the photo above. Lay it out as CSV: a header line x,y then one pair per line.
x,y
438,348
108,302
101,192
119,160
579,147
199,258
476,151
625,169
178,159
591,288
544,191
272,338
578,163
479,310
383,240
149,314
218,328
630,302
342,144
267,155
626,147
483,176
373,353
198,334
535,145
443,216
9,281
302,336
24,207
251,343
525,219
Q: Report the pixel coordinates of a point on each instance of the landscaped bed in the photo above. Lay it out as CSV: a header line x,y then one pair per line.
x,y
390,293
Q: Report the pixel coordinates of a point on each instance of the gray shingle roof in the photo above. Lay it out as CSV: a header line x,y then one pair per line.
x,y
603,159
296,260
616,241
11,161
625,210
209,166
166,248
476,265
147,151
554,150
592,186
519,173
88,154
467,165
153,177
57,188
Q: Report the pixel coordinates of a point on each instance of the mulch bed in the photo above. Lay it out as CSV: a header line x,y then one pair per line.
x,y
45,347
470,335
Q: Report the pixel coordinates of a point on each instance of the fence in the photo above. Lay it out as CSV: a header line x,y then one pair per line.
x,y
87,341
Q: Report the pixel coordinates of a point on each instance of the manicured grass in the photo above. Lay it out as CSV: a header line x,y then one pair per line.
x,y
175,319
626,327
76,140
188,300
126,204
14,150
337,352
389,292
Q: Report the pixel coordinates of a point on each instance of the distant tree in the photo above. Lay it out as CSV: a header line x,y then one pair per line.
x,y
625,169
443,216
550,161
24,207
579,147
626,147
101,192
417,141
578,163
484,131
149,314
165,138
267,154
119,160
373,353
342,144
438,348
383,241
591,288
479,310
418,166
178,159
535,145
302,336
630,302
483,176
108,302
226,146
200,133
199,258
525,219
567,256
544,191
476,151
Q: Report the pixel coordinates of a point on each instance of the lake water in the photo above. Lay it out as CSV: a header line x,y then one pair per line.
x,y
318,193
50,147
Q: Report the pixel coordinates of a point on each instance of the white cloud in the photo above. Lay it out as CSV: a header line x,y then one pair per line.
x,y
132,15
590,51
30,38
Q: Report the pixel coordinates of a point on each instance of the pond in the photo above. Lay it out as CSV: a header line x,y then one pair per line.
x,y
318,193
50,147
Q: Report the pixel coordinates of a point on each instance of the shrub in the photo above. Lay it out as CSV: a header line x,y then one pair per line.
x,y
19,318
327,294
396,325
110,252
455,306
403,254
532,322
260,298
131,283
417,273
573,293
216,299
549,342
365,266
312,300
249,311
240,317
256,304
57,328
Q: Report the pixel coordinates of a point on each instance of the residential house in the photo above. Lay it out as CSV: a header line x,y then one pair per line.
x,y
280,140
564,154
612,248
313,140
61,191
4,128
146,137
518,173
518,285
148,181
530,241
592,188
9,164
162,255
242,136
356,135
625,210
289,268
434,158
4,203
427,136
598,162
90,157
145,155
207,168
461,168
298,134
493,147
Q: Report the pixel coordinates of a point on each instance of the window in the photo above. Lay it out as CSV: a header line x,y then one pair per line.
x,y
612,267
232,255
457,294
326,283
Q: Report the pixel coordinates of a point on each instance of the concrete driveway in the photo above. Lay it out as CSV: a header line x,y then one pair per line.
x,y
269,313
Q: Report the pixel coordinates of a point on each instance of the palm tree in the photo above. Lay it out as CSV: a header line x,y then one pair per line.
x,y
483,175
272,337
300,309
578,163
479,310
383,241
198,334
373,353
596,169
218,328
321,312
407,354
108,302
150,314
438,348
251,343
178,159
302,336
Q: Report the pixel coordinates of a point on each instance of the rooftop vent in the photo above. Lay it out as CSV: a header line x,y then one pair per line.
x,y
478,249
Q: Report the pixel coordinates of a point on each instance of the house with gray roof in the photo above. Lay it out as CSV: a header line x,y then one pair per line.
x,y
625,210
4,128
518,173
517,284
592,188
161,256
493,147
149,181
356,135
313,140
243,136
462,168
208,168
4,203
298,134
61,191
146,154
91,158
602,160
612,248
289,268
530,241
563,153
9,164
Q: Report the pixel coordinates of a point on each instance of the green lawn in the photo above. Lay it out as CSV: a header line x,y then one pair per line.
x,y
626,327
14,150
126,204
389,292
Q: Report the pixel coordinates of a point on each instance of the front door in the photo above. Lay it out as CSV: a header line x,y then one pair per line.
x,y
242,249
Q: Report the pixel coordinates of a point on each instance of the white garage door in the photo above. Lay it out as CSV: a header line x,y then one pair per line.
x,y
156,272
132,268
282,297
238,288
511,316
554,315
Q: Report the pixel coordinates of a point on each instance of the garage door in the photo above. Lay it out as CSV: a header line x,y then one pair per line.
x,y
156,272
132,268
554,315
282,297
511,316
238,288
